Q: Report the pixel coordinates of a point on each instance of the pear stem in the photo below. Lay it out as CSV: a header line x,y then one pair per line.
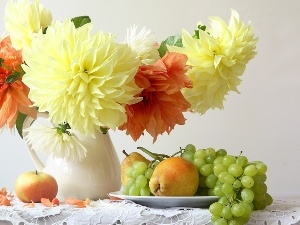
x,y
125,153
155,156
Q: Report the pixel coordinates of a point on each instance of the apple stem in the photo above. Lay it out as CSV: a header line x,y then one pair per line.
x,y
155,156
125,153
36,172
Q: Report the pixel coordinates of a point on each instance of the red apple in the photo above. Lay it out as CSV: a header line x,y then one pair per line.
x,y
34,185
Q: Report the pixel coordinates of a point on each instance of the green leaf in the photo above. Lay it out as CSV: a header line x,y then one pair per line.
x,y
81,20
19,123
12,77
171,41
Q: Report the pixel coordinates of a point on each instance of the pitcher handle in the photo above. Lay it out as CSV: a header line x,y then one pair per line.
x,y
35,158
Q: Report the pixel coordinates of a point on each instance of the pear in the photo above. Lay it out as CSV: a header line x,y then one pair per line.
x,y
128,162
174,176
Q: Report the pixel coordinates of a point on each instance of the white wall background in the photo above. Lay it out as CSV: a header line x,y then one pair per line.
x,y
263,121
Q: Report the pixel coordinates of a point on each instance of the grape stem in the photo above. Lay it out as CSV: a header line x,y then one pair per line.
x,y
159,157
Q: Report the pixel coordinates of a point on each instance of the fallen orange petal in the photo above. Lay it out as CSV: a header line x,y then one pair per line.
x,y
3,191
55,201
78,202
87,201
4,201
73,201
30,205
46,202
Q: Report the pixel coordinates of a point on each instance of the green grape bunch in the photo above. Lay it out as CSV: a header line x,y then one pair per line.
x,y
239,184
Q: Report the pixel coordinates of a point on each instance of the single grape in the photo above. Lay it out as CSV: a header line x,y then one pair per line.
x,y
134,190
218,160
228,160
247,181
221,221
211,180
190,148
128,171
237,209
198,162
269,199
125,190
221,152
145,191
218,191
259,205
260,178
219,168
229,179
248,209
235,221
223,200
209,159
260,197
260,188
222,175
210,151
235,169
148,173
250,170
214,218
242,160
130,182
226,188
140,167
141,181
261,168
226,212
237,184
189,156
135,173
247,195
206,169
200,153
216,208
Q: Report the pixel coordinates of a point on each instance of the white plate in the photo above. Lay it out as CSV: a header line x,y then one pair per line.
x,y
166,201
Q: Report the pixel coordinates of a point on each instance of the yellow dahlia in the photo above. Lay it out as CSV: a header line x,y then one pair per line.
x,y
24,19
82,79
144,44
217,59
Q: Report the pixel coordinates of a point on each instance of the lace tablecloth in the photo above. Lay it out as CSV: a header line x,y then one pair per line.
x,y
126,212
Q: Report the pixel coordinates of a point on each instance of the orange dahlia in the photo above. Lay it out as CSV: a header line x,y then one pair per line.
x,y
163,104
13,93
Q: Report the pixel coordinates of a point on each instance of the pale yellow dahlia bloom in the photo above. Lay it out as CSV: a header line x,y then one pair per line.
x,y
244,38
217,59
82,79
24,19
50,141
144,44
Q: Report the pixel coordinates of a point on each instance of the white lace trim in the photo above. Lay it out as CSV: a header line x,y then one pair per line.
x,y
128,213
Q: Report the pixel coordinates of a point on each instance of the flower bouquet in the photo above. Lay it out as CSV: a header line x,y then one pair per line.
x,y
87,81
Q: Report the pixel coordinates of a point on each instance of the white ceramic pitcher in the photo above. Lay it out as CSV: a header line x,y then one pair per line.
x,y
93,177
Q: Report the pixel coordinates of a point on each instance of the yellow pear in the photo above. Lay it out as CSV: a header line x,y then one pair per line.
x,y
174,176
128,162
